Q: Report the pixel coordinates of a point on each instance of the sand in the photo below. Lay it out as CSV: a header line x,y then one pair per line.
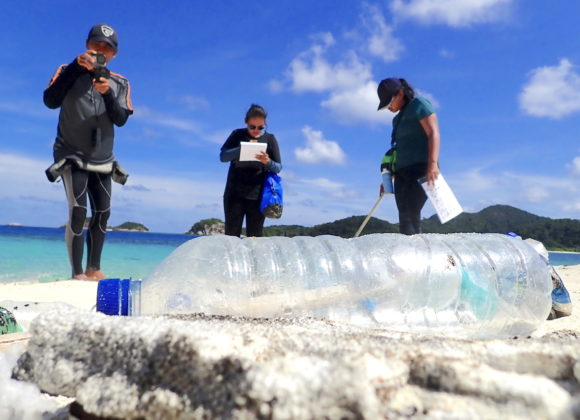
x,y
78,293
571,277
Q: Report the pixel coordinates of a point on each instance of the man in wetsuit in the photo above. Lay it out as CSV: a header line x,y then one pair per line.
x,y
92,101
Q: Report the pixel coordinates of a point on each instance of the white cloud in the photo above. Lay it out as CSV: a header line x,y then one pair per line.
x,y
149,116
28,109
318,149
275,86
541,194
194,103
329,188
156,124
217,137
348,80
536,195
310,71
356,105
162,201
445,53
552,91
429,97
25,175
381,42
352,92
310,201
573,207
323,183
576,165
179,192
456,13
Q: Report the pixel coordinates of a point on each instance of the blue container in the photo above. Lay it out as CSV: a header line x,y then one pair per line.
x,y
113,296
108,296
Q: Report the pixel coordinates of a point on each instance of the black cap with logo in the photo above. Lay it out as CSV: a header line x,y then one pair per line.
x,y
104,33
387,88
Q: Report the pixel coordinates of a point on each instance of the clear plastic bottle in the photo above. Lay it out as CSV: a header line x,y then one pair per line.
x,y
465,285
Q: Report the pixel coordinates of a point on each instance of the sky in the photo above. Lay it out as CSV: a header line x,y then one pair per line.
x,y
503,75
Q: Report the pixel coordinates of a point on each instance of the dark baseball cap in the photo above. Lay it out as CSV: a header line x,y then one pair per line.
x,y
387,89
104,33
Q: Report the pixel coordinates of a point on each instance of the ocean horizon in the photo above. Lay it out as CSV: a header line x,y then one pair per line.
x,y
38,254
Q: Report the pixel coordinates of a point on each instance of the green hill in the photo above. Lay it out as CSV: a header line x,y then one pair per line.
x,y
493,219
561,234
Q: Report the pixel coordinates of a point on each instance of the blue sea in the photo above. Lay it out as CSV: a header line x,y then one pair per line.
x,y
39,254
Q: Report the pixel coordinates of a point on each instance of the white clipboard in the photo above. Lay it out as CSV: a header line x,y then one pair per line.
x,y
442,198
249,150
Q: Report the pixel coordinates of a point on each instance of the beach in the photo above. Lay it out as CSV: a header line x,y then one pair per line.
x,y
354,372
78,293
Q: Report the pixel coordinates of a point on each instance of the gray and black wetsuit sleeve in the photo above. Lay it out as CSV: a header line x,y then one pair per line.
x,y
119,105
61,82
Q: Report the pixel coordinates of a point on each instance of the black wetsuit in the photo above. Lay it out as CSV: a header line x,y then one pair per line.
x,y
86,134
243,192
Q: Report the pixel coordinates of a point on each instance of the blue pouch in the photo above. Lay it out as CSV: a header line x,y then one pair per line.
x,y
272,201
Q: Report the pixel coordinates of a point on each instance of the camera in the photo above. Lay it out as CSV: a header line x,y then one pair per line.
x,y
100,67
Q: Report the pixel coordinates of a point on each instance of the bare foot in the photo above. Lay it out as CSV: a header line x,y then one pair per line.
x,y
80,277
94,275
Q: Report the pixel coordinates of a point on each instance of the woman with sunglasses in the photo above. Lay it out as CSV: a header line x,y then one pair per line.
x,y
415,138
243,192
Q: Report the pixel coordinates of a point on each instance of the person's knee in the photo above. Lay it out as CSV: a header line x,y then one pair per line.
x,y
100,219
77,219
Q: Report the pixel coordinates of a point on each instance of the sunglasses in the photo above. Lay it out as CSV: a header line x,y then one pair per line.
x,y
256,127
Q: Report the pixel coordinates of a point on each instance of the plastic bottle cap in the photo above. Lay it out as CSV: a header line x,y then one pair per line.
x,y
113,296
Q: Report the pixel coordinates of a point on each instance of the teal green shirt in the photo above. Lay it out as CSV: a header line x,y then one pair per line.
x,y
408,134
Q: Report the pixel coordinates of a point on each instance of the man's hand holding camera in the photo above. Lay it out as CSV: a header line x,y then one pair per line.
x,y
96,62
87,59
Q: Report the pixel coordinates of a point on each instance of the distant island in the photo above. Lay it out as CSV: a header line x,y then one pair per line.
x,y
556,234
124,227
207,227
130,227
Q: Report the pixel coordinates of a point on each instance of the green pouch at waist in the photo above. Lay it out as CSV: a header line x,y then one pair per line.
x,y
389,160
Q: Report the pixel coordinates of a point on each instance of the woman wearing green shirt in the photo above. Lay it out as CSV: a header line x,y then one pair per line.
x,y
415,138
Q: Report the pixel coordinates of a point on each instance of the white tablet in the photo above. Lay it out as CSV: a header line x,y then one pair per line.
x,y
249,150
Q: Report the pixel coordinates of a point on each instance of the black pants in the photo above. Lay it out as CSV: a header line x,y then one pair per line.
x,y
410,198
235,208
77,184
